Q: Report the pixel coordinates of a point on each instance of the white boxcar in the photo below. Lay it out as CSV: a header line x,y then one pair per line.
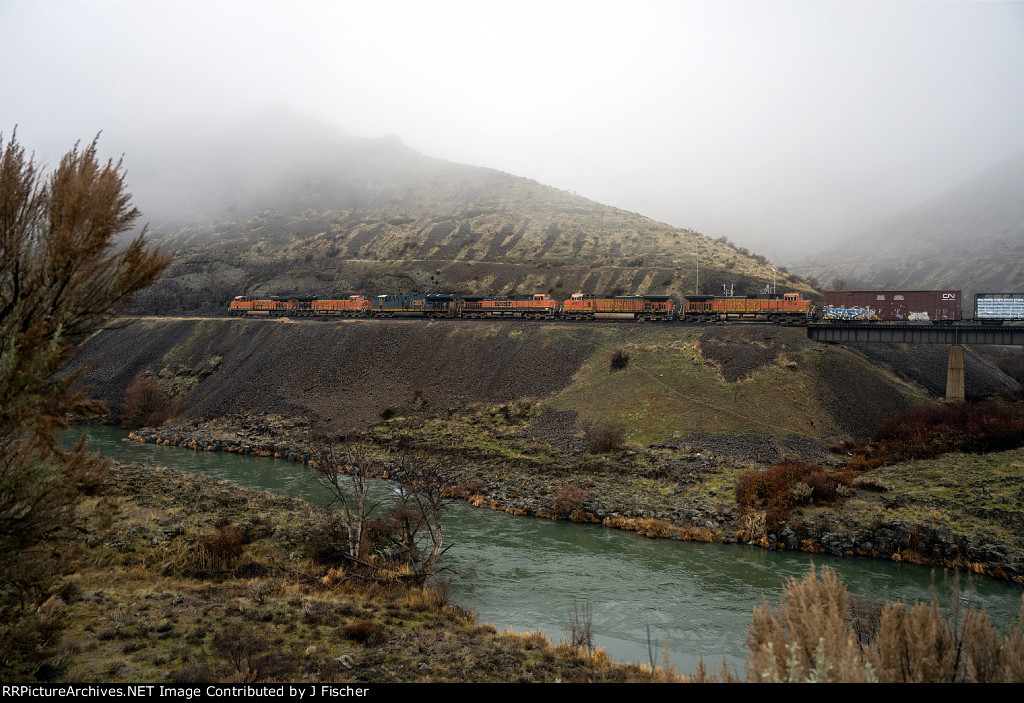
x,y
999,307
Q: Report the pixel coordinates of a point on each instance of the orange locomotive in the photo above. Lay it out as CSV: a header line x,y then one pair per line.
x,y
539,306
709,308
244,305
630,307
353,306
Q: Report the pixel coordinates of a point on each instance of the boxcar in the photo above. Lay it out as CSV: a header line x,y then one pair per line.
x,y
533,307
789,307
997,308
434,305
627,307
935,306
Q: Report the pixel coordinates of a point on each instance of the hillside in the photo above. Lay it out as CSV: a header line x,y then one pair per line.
x,y
971,237
516,411
754,381
285,206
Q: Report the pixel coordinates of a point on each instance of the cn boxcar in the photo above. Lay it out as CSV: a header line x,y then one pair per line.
x,y
996,308
532,307
935,306
789,307
628,307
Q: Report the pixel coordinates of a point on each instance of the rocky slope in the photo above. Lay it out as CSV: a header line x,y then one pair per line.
x,y
971,238
752,380
288,206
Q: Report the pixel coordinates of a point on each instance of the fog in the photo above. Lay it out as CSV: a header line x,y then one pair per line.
x,y
782,126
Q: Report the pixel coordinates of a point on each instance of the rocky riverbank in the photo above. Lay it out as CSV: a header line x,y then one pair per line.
x,y
681,490
184,579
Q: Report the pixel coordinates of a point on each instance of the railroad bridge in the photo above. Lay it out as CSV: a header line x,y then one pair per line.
x,y
953,335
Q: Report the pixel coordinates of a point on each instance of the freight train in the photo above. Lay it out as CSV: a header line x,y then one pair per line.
x,y
935,307
786,308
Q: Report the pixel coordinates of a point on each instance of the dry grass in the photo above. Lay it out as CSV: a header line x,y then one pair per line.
x,y
818,634
653,527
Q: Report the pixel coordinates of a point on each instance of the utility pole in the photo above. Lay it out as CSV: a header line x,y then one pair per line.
x,y
773,280
696,253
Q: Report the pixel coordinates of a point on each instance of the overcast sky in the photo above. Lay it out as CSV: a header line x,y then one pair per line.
x,y
779,125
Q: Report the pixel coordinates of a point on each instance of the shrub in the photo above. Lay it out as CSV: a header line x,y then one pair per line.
x,y
820,633
64,270
145,403
242,648
219,550
779,489
930,430
580,627
437,593
801,492
808,637
619,361
605,439
366,633
568,498
193,673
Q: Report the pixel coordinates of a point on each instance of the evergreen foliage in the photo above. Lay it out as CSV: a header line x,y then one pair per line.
x,y
62,273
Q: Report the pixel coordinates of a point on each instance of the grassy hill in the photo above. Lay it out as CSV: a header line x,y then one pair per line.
x,y
971,238
772,383
310,211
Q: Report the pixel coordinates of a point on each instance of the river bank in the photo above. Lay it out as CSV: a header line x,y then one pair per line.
x,y
958,511
147,598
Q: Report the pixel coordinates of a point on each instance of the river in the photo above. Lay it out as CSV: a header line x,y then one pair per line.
x,y
643,594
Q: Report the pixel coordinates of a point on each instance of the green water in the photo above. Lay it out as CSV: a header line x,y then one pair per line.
x,y
529,574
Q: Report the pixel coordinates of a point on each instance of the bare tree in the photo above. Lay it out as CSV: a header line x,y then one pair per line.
x,y
422,499
345,474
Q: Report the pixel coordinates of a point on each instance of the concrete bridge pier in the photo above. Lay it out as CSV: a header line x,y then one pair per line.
x,y
955,374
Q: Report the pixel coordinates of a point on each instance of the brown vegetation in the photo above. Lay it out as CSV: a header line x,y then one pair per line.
x,y
568,499
605,439
816,634
60,279
221,549
788,485
930,430
145,403
775,494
